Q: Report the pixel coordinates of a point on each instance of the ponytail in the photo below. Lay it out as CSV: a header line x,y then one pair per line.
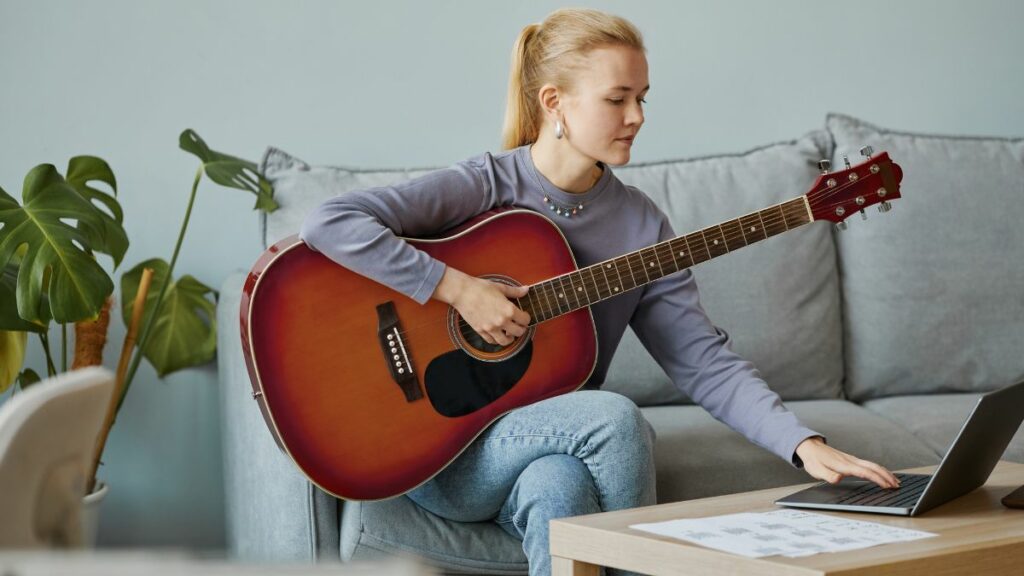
x,y
521,122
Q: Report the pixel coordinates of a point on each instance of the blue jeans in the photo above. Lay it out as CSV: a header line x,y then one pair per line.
x,y
579,453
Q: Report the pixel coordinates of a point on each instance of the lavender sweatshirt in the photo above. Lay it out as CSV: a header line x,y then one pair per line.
x,y
360,230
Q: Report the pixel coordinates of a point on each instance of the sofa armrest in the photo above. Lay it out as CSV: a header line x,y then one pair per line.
x,y
273,513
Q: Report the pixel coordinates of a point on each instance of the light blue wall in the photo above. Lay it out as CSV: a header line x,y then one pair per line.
x,y
392,83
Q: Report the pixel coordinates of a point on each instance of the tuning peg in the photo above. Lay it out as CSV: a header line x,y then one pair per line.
x,y
867,151
863,216
884,207
846,161
824,166
841,226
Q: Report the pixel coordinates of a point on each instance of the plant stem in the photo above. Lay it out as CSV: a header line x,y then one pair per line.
x,y
63,347
51,370
138,308
151,318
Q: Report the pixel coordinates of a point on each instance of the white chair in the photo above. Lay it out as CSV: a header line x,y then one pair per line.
x,y
47,437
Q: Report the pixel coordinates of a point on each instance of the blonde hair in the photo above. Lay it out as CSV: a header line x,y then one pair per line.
x,y
552,52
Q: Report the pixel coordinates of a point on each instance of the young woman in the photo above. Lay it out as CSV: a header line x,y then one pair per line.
x,y
575,105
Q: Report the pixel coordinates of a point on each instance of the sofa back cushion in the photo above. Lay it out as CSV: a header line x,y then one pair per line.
x,y
778,300
933,292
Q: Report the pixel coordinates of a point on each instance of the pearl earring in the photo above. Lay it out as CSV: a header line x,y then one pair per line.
x,y
558,129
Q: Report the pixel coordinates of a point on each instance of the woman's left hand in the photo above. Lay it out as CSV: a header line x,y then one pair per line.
x,y
826,463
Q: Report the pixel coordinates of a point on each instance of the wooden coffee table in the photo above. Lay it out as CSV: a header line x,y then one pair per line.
x,y
976,535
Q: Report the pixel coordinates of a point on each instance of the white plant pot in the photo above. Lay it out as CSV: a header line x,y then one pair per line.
x,y
91,514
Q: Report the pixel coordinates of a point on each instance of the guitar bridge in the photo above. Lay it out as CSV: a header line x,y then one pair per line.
x,y
396,354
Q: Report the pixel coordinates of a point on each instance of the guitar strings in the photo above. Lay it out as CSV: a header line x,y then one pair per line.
x,y
634,265
786,211
663,252
772,221
823,197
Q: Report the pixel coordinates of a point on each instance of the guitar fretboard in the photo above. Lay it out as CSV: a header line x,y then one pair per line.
x,y
568,292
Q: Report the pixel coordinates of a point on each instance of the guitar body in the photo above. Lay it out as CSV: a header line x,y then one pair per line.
x,y
338,394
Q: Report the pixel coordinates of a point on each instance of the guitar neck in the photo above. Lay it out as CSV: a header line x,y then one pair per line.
x,y
585,286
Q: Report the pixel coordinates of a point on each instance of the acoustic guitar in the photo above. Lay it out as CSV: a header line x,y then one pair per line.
x,y
371,393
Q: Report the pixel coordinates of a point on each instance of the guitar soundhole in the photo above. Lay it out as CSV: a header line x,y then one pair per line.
x,y
474,340
472,343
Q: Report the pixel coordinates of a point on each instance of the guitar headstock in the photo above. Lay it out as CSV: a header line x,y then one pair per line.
x,y
835,196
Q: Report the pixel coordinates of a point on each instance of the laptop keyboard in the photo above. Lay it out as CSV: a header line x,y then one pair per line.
x,y
911,487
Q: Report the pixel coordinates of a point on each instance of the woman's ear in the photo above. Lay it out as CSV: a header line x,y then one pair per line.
x,y
550,101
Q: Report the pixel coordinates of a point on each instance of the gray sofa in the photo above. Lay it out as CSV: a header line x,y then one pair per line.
x,y
880,337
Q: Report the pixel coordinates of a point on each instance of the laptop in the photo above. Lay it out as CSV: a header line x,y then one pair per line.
x,y
966,466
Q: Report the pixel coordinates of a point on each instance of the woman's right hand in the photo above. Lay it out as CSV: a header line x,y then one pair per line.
x,y
485,305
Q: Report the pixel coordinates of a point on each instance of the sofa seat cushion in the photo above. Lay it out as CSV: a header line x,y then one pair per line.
x,y
697,456
932,290
376,530
936,419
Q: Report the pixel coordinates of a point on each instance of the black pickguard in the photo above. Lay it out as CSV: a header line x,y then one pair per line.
x,y
458,384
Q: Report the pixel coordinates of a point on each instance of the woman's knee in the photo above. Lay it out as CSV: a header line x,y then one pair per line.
x,y
560,483
619,414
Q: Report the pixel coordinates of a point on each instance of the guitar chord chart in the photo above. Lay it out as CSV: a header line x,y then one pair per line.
x,y
788,533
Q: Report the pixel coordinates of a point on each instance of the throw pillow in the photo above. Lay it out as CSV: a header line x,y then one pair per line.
x,y
299,187
778,300
933,292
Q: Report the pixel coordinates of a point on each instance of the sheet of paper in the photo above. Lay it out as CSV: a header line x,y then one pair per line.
x,y
787,532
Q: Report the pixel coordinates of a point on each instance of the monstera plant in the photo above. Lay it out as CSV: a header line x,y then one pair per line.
x,y
50,274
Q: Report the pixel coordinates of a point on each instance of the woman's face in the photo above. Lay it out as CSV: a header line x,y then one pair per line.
x,y
604,111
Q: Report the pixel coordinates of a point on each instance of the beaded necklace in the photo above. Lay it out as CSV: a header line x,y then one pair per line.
x,y
572,209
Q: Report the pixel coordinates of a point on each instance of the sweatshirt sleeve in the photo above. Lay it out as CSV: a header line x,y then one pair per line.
x,y
360,229
671,323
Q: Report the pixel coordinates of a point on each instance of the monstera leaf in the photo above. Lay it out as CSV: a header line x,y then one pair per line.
x,y
9,318
111,238
185,331
56,224
12,354
230,171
